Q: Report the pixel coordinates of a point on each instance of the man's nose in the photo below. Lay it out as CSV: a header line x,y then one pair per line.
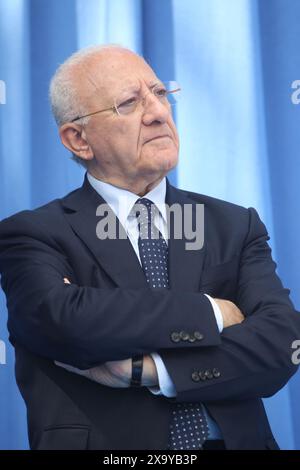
x,y
154,110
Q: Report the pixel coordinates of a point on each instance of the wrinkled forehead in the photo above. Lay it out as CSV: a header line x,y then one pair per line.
x,y
113,74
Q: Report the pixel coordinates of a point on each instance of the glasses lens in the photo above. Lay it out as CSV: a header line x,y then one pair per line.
x,y
167,92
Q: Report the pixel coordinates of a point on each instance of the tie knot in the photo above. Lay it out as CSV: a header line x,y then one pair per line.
x,y
144,209
144,202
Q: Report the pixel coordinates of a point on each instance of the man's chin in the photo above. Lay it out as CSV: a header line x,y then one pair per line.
x,y
163,158
162,168
168,163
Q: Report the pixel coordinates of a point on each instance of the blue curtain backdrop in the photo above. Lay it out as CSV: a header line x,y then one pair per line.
x,y
239,130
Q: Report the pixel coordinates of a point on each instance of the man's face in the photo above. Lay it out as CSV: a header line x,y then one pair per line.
x,y
143,144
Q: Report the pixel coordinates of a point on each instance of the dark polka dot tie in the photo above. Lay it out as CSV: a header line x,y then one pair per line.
x,y
188,425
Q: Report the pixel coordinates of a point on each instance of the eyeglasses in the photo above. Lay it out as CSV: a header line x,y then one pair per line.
x,y
167,93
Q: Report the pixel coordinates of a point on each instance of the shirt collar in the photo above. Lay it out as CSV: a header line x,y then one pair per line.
x,y
122,201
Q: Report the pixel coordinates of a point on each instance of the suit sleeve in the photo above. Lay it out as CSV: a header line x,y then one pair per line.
x,y
254,357
86,326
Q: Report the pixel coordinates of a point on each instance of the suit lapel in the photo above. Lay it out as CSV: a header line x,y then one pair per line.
x,y
117,257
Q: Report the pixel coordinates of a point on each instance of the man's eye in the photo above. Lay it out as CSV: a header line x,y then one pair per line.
x,y
128,103
161,92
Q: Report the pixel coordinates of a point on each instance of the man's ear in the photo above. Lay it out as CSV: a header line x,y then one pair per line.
x,y
73,138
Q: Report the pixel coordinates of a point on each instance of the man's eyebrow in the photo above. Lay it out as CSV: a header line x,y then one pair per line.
x,y
154,83
135,87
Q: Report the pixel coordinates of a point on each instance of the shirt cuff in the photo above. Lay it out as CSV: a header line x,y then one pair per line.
x,y
165,385
217,312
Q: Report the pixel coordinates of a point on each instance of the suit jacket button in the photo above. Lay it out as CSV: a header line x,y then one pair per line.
x,y
216,373
198,335
202,375
184,335
175,337
208,374
195,376
191,338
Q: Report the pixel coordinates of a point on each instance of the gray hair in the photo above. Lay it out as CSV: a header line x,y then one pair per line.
x,y
64,98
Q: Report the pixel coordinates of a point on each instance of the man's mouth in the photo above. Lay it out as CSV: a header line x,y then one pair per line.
x,y
157,137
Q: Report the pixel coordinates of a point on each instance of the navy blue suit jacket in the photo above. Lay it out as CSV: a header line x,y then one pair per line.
x,y
109,313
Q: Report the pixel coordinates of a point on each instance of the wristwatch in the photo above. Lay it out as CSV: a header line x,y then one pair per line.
x,y
137,371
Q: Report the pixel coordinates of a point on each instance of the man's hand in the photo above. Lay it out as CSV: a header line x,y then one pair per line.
x,y
230,312
122,372
113,373
117,374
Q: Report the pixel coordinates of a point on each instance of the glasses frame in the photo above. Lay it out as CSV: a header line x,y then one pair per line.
x,y
115,108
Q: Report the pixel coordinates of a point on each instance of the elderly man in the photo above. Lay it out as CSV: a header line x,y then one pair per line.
x,y
136,341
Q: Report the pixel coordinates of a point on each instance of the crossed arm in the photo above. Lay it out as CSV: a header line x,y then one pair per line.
x,y
118,373
74,325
